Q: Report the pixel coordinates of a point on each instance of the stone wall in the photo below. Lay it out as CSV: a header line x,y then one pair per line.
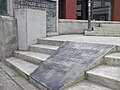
x,y
8,36
50,6
71,26
79,26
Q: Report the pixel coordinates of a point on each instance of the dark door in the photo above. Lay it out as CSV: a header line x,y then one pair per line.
x,y
82,9
3,7
61,9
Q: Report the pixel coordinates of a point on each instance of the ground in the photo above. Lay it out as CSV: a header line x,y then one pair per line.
x,y
11,80
88,39
6,83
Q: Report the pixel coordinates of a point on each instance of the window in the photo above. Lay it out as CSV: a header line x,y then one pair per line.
x,y
82,9
102,10
61,9
101,3
107,3
3,7
97,4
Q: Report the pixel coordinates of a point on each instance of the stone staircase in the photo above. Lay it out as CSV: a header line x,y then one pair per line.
x,y
25,62
103,77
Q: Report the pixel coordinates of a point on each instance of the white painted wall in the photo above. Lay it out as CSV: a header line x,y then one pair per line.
x,y
31,25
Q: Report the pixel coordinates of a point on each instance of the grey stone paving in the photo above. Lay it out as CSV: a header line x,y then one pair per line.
x,y
11,80
6,83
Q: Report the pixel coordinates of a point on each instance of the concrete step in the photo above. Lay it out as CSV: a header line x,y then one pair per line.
x,y
94,33
117,26
105,29
113,59
101,31
23,67
45,49
49,42
32,57
86,85
108,76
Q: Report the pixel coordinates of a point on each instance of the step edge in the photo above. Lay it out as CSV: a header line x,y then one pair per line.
x,y
18,68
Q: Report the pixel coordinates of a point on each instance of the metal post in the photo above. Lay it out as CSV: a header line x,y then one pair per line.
x,y
89,15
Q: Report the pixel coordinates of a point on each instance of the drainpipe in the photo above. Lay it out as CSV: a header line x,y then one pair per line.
x,y
89,15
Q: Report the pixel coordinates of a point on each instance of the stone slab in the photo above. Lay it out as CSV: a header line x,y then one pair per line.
x,y
68,62
31,25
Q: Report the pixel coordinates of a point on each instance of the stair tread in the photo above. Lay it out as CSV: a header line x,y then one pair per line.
x,y
22,65
39,56
86,85
113,55
45,46
111,72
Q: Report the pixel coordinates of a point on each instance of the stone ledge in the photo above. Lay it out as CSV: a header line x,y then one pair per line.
x,y
85,21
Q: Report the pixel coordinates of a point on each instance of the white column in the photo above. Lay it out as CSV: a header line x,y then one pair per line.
x,y
10,7
31,26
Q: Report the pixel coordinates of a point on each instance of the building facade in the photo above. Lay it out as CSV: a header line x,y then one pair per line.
x,y
103,10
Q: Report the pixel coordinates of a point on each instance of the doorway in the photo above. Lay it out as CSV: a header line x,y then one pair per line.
x,y
3,7
82,9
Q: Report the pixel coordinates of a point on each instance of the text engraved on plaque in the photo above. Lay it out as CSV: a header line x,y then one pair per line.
x,y
68,62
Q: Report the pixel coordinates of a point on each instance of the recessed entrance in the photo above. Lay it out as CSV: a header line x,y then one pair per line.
x,y
3,7
82,9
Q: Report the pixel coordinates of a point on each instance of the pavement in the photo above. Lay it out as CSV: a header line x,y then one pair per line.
x,y
11,80
6,83
88,39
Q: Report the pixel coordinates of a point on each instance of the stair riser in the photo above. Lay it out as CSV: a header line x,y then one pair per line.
x,y
115,25
40,86
49,42
95,33
105,29
118,48
27,58
42,50
104,81
112,61
99,29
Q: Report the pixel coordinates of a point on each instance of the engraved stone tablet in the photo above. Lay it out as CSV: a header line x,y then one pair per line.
x,y
67,63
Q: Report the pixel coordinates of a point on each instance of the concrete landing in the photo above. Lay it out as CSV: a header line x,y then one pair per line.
x,y
87,39
68,63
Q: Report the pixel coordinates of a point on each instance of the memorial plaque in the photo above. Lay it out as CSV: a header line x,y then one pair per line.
x,y
71,59
44,5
